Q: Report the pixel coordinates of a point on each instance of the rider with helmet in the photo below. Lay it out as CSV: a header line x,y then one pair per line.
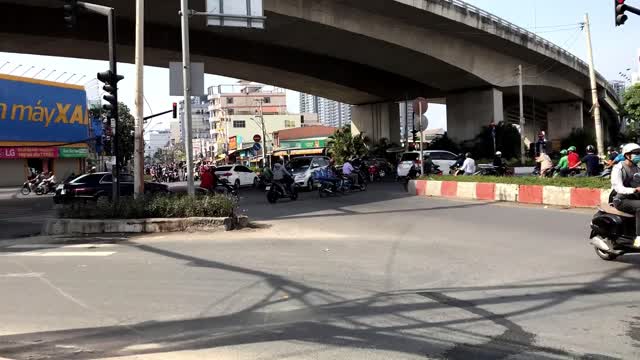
x,y
591,161
499,164
573,158
563,163
626,195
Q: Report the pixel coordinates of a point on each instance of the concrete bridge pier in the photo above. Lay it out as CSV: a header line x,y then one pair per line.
x,y
563,118
468,112
377,121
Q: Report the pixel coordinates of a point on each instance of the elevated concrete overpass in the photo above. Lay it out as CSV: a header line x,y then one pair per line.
x,y
369,53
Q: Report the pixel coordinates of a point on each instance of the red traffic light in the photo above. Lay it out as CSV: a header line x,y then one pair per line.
x,y
620,8
175,110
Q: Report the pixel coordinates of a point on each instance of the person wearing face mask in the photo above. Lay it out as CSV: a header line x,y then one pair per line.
x,y
626,190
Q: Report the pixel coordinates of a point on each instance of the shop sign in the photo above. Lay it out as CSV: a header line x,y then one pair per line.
x,y
28,153
73,153
303,144
233,143
38,110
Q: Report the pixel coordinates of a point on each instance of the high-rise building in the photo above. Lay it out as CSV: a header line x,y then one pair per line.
x,y
200,128
406,112
156,140
619,86
330,113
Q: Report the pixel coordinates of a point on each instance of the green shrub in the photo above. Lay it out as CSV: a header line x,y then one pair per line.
x,y
579,182
178,206
580,138
445,143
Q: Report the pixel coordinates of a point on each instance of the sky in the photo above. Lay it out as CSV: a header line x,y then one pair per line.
x,y
615,50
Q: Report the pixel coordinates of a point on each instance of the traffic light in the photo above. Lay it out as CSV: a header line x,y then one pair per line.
x,y
175,110
111,87
620,7
70,9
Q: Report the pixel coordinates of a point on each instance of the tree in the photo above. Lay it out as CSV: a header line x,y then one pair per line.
x,y
507,142
125,131
631,104
343,145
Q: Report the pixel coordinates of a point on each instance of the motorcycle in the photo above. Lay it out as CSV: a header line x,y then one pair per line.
x,y
28,186
276,191
44,188
224,188
376,173
612,233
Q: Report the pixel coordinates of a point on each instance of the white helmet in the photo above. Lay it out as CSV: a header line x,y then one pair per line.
x,y
498,153
629,148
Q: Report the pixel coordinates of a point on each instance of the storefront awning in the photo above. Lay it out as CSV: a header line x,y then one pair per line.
x,y
318,151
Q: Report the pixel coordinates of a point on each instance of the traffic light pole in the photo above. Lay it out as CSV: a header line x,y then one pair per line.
x,y
109,12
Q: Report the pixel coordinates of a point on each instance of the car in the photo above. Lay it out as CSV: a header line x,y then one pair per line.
x,y
99,185
237,175
444,159
302,169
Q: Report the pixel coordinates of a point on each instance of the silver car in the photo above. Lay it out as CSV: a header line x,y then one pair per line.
x,y
302,169
444,159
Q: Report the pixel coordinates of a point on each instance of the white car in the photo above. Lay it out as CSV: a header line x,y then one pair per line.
x,y
444,159
237,175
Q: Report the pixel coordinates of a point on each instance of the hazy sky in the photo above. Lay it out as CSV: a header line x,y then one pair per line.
x,y
615,50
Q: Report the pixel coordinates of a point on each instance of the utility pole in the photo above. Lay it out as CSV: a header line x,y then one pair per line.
x,y
186,76
594,90
264,135
138,161
421,138
522,145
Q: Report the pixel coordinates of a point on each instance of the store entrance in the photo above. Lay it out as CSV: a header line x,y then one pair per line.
x,y
38,166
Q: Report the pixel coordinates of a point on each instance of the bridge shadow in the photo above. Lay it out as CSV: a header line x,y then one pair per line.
x,y
405,322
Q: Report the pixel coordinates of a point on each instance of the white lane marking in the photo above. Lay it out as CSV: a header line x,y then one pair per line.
x,y
62,253
59,246
20,275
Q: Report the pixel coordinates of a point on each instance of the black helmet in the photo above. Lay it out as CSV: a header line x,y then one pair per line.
x,y
590,148
467,154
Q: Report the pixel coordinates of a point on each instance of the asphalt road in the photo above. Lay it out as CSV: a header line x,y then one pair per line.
x,y
22,216
375,275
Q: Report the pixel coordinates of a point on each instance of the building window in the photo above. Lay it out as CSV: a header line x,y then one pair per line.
x,y
239,124
267,100
230,112
229,100
289,123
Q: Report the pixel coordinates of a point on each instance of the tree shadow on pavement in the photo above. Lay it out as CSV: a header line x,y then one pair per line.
x,y
446,323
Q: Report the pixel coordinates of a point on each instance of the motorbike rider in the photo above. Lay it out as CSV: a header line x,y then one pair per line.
x,y
563,163
612,154
573,158
469,165
626,193
349,172
282,177
545,164
499,164
427,164
49,181
591,161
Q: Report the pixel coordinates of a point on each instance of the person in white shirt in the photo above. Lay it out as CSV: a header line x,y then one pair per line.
x,y
469,165
627,191
347,170
282,176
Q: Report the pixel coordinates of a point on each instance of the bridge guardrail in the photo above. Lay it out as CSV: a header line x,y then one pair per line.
x,y
535,37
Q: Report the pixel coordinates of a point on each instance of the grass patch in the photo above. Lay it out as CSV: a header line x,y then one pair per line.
x,y
179,206
579,182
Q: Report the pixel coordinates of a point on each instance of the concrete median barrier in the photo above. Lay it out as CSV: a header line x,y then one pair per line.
x,y
528,194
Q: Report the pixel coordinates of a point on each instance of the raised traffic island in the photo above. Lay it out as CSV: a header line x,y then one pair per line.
x,y
168,213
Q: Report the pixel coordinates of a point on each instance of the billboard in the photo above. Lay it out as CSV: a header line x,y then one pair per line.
x,y
37,110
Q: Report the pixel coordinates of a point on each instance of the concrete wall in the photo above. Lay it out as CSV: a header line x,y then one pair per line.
x,y
467,112
62,168
377,121
564,117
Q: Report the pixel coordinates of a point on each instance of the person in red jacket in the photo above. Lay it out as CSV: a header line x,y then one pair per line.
x,y
206,179
573,157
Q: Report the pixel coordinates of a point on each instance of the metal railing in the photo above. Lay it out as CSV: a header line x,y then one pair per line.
x,y
534,37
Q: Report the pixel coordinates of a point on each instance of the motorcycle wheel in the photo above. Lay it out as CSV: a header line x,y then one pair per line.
x,y
382,174
294,195
39,191
605,255
25,191
272,197
363,187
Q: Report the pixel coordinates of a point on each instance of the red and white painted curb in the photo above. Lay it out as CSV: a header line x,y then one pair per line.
x,y
528,194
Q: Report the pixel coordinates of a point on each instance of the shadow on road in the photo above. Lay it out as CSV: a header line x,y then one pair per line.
x,y
412,321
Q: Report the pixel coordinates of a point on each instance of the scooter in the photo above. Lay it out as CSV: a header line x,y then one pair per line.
x,y
613,232
276,191
224,188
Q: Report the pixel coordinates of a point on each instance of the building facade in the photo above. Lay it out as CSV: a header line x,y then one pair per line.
x,y
241,104
156,140
200,128
330,113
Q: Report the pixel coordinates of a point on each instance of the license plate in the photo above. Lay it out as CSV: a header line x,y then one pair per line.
x,y
267,188
63,191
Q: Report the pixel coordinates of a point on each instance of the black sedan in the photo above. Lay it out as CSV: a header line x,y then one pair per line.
x,y
100,185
